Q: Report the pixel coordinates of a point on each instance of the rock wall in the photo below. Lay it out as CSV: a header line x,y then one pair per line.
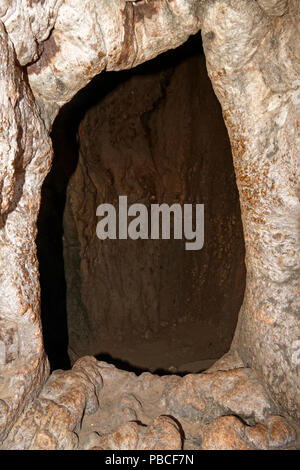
x,y
258,87
158,137
252,55
25,155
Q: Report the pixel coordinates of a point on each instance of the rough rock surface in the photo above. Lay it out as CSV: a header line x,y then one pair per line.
x,y
194,400
96,406
133,142
229,433
252,53
252,56
95,35
29,23
254,68
50,421
240,415
162,434
25,154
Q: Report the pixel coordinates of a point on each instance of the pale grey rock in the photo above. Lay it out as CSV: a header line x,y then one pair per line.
x,y
274,7
29,23
95,35
255,79
50,421
25,155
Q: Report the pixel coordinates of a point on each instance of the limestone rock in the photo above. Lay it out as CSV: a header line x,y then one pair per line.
x,y
201,397
25,156
229,433
254,67
28,24
91,441
252,55
280,432
93,35
162,434
274,7
258,436
125,437
224,433
50,421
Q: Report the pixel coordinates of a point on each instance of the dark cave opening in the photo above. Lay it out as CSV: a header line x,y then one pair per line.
x,y
156,134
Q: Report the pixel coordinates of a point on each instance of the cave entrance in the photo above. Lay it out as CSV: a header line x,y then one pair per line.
x,y
155,134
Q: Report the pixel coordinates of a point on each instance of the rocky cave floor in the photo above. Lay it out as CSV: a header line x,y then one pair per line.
x,y
152,412
96,406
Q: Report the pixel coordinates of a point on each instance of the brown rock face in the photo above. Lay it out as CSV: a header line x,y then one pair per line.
x,y
229,433
157,138
224,434
162,434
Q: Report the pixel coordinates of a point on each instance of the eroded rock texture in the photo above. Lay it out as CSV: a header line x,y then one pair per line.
x,y
254,67
95,35
25,153
252,52
50,421
29,23
157,138
96,406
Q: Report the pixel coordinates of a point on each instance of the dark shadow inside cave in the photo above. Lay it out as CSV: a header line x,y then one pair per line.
x,y
156,134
